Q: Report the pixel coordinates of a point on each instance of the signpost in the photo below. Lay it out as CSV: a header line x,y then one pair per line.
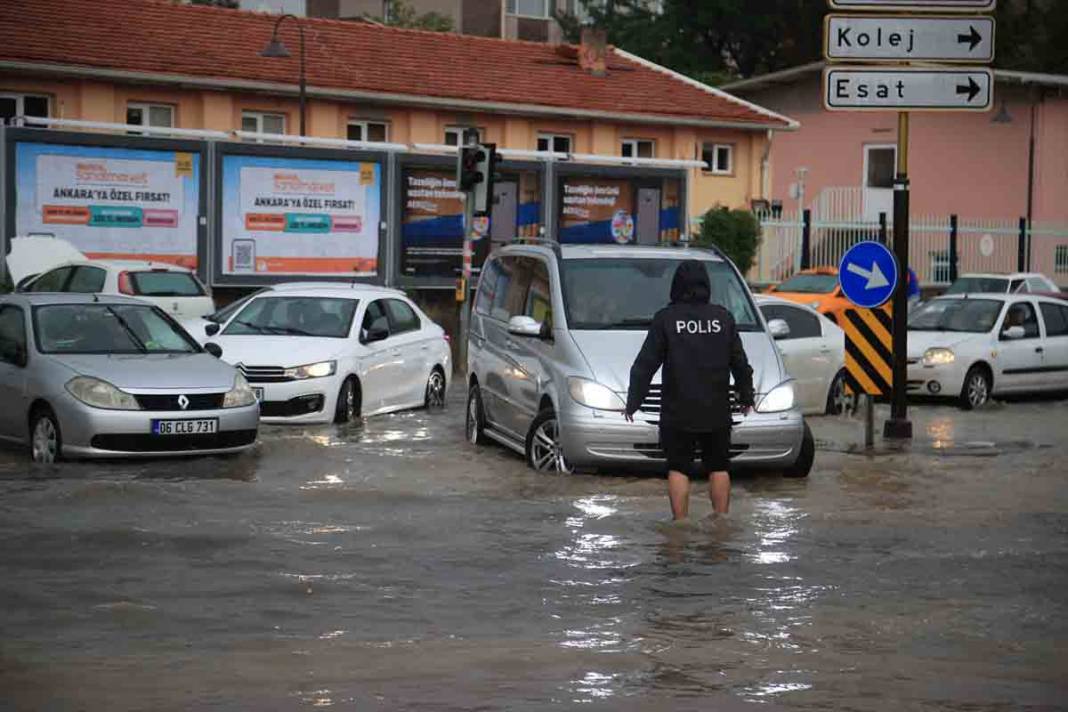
x,y
893,37
887,44
908,89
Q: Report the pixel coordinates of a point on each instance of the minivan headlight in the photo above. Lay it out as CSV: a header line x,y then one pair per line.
x,y
312,370
593,395
938,357
240,395
778,399
100,394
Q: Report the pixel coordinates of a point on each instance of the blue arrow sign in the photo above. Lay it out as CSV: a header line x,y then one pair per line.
x,y
868,274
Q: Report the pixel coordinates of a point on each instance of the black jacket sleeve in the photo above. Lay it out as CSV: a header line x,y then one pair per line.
x,y
742,372
645,365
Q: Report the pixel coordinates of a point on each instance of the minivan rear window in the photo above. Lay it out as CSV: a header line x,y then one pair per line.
x,y
625,293
165,284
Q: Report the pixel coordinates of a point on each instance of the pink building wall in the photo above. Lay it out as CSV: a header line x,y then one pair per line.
x,y
958,163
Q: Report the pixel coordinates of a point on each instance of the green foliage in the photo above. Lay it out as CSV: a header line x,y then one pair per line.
x,y
736,232
402,14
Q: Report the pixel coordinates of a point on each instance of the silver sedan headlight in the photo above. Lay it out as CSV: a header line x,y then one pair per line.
x,y
97,393
312,370
240,395
938,357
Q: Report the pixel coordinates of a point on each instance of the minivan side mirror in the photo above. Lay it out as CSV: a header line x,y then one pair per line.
x,y
211,328
778,328
214,349
524,326
1013,333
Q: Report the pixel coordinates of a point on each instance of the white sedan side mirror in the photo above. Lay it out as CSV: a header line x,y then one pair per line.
x,y
778,328
1014,332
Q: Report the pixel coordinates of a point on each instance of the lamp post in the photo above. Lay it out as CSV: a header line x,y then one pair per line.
x,y
277,49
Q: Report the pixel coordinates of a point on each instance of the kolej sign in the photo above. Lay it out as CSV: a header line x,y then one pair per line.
x,y
300,216
110,203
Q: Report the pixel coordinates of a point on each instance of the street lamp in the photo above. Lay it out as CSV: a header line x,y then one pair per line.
x,y
276,49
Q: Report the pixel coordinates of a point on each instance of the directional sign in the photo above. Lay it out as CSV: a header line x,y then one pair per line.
x,y
895,38
868,274
907,89
869,353
916,5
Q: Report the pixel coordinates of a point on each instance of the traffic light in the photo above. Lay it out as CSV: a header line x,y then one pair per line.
x,y
475,174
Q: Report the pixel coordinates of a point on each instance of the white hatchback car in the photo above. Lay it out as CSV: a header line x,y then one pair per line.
x,y
972,347
175,290
813,351
334,353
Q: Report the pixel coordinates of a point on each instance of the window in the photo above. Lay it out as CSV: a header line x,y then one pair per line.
x,y
108,329
164,283
1056,318
1016,285
529,8
1021,314
638,148
87,280
12,335
880,165
454,135
1039,284
557,143
802,322
374,317
402,318
719,157
1060,259
259,122
327,317
539,299
53,281
487,288
12,105
377,131
160,115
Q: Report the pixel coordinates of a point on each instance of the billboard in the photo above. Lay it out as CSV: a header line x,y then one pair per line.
x,y
597,209
295,216
109,202
432,231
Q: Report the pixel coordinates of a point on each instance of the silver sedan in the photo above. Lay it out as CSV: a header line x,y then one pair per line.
x,y
94,376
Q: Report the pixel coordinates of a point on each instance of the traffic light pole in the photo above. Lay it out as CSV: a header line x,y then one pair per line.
x,y
899,426
465,279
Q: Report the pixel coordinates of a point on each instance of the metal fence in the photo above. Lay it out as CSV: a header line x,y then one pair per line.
x,y
820,235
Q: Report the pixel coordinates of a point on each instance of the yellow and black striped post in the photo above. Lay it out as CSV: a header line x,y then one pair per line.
x,y
869,352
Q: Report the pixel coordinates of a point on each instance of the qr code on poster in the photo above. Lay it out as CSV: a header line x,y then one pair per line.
x,y
244,256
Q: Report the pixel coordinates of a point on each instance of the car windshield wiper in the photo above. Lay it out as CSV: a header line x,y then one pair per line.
x,y
250,325
129,331
294,330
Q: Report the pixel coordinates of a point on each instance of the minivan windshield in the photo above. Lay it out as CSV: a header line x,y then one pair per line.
x,y
968,315
625,293
108,329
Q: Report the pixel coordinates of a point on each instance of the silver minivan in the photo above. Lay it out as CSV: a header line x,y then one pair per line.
x,y
554,331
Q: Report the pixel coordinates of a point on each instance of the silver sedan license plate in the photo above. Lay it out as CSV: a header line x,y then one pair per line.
x,y
198,426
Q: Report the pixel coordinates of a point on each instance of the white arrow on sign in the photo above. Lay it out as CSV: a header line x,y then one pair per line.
x,y
916,5
907,89
875,276
896,38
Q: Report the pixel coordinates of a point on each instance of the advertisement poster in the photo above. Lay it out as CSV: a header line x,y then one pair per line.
x,y
432,225
528,215
110,203
671,211
597,210
290,216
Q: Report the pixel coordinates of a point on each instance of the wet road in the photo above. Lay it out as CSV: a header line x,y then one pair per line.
x,y
391,566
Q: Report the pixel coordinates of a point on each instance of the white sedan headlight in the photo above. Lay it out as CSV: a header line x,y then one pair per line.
x,y
100,394
240,395
938,357
593,395
778,399
312,370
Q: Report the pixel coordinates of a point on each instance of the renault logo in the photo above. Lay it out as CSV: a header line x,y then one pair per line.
x,y
183,402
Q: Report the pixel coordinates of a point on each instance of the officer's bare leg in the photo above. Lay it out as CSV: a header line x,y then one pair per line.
x,y
679,494
719,490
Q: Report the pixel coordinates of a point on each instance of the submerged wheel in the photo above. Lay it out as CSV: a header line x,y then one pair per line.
x,y
976,390
838,400
475,425
347,407
805,458
544,452
435,390
46,443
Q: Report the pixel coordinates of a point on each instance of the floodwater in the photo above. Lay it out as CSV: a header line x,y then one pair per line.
x,y
391,566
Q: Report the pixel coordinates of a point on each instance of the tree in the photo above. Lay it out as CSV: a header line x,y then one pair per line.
x,y
401,14
736,232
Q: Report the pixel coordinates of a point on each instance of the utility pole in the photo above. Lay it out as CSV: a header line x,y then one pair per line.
x,y
899,426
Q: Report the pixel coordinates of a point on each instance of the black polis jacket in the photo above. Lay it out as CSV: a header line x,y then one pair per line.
x,y
699,347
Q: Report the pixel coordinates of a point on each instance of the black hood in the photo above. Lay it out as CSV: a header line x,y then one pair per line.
x,y
691,285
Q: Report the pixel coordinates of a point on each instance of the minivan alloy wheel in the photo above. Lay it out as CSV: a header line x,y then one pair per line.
x,y
544,452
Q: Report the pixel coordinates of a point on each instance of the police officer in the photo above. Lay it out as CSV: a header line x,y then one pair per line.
x,y
698,345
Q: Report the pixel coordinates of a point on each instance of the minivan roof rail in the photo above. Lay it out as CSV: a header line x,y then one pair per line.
x,y
543,241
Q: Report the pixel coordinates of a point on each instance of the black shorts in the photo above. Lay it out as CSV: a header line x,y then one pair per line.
x,y
680,447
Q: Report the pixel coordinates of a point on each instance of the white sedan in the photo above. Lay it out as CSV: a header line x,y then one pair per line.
x,y
813,351
335,353
972,347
